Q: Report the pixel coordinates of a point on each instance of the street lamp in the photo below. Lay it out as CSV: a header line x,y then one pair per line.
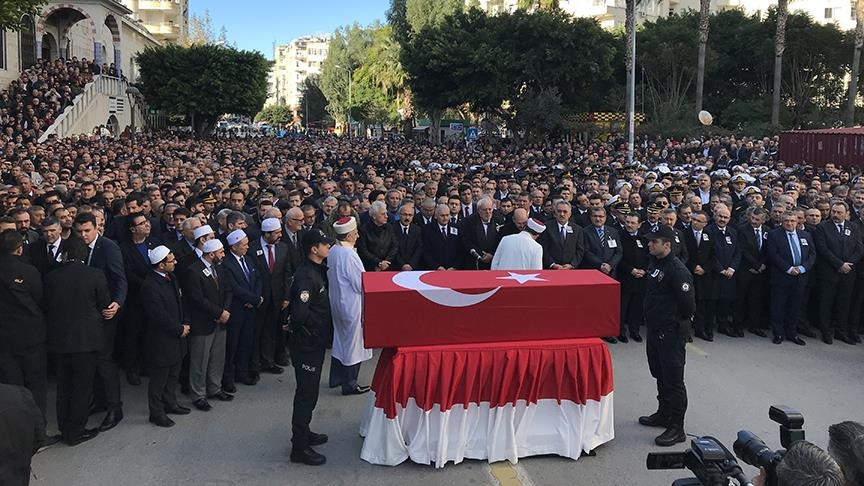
x,y
133,94
349,97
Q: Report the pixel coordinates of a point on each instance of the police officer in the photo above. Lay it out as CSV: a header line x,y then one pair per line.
x,y
310,331
669,304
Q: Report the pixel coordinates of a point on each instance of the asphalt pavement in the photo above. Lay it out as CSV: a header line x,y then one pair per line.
x,y
731,383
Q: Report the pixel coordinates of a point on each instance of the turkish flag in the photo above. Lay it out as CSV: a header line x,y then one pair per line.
x,y
457,307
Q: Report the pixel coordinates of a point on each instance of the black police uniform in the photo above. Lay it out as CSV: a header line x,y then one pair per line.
x,y
311,330
669,304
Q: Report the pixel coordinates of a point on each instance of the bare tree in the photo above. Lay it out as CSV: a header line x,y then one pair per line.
x,y
779,47
704,10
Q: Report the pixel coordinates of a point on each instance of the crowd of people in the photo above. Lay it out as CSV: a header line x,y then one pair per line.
x,y
773,246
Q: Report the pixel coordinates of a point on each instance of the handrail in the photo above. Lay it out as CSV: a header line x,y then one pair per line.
x,y
101,85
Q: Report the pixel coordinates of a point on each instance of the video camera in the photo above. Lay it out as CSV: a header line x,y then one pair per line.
x,y
713,464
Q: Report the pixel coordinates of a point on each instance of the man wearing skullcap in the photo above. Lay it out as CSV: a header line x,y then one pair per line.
x,y
521,251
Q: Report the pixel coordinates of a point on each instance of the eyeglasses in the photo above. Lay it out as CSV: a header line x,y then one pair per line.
x,y
142,223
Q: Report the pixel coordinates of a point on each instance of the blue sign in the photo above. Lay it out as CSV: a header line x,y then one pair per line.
x,y
473,134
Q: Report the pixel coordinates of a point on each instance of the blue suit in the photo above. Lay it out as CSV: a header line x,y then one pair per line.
x,y
787,290
246,296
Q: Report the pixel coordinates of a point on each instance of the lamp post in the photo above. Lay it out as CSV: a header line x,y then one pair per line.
x,y
133,94
349,97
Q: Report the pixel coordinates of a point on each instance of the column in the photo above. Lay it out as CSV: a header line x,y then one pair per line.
x,y
97,53
118,60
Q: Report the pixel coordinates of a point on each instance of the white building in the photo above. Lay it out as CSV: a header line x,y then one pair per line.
x,y
167,20
292,64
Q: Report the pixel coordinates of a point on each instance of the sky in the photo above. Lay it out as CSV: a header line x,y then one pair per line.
x,y
255,24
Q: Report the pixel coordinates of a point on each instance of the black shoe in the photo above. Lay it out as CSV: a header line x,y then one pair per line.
x,y
94,409
845,339
162,421
249,381
317,439
177,410
358,390
827,339
229,388
623,338
185,389
274,369
806,331
308,456
673,435
739,333
48,441
797,340
654,420
133,378
84,437
708,336
333,384
855,337
202,404
689,339
758,332
726,332
610,340
222,396
112,418
636,337
777,340
282,360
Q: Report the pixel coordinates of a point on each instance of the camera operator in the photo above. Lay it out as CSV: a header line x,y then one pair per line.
x,y
846,445
669,304
805,464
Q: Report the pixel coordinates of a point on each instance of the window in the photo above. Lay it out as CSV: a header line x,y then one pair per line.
x,y
2,49
829,13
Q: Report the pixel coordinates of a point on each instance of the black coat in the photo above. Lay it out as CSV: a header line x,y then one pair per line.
x,y
780,256
137,269
475,238
439,251
701,255
106,256
204,299
570,250
752,256
21,430
75,296
598,252
163,310
376,244
295,252
185,255
409,248
311,319
834,248
40,258
277,285
22,323
634,255
727,254
242,291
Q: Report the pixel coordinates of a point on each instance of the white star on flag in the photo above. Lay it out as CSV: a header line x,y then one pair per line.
x,y
523,278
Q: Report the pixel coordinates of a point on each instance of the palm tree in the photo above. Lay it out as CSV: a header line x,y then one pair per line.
x,y
779,47
849,116
704,9
630,21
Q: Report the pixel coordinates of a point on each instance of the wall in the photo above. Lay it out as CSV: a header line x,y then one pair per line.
x,y
12,70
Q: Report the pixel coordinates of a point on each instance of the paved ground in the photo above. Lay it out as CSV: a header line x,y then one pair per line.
x,y
731,385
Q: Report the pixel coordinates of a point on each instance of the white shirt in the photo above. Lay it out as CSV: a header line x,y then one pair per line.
x,y
518,252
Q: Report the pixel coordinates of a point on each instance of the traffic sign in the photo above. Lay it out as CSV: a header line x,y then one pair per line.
x,y
456,127
473,134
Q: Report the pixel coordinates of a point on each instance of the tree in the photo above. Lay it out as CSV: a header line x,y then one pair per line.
x,y
203,82
779,47
347,49
201,31
313,103
849,115
276,115
704,25
13,11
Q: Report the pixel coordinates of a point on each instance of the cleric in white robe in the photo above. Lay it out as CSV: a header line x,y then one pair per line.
x,y
345,278
521,251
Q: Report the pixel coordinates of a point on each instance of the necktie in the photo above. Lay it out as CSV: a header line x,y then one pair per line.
x,y
271,263
294,239
405,230
698,235
796,253
601,232
563,234
444,232
759,238
89,255
466,212
53,250
840,228
214,276
244,267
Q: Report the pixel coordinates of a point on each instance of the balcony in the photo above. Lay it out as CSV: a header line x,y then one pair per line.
x,y
162,29
163,5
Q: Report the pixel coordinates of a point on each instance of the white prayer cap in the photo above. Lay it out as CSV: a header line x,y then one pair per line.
x,y
345,225
270,224
236,236
158,254
536,225
212,245
201,231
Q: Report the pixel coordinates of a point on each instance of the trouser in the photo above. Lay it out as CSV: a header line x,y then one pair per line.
x,y
238,347
161,391
785,308
107,389
856,307
133,337
750,293
30,370
723,312
75,375
344,375
307,372
264,354
631,312
834,304
666,358
703,321
207,362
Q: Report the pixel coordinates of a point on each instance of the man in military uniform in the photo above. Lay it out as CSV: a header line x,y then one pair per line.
x,y
310,332
669,304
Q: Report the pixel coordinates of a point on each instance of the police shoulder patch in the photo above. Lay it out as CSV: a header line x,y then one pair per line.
x,y
685,287
304,296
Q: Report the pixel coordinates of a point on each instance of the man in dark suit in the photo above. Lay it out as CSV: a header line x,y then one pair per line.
x,y
21,432
409,245
602,245
244,283
134,249
632,273
206,301
292,236
184,248
701,264
479,236
165,339
22,326
791,257
271,257
727,259
563,242
442,248
752,278
75,296
377,245
669,217
517,224
45,252
106,256
838,249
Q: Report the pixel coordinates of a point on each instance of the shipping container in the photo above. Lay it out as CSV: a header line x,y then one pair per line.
x,y
841,146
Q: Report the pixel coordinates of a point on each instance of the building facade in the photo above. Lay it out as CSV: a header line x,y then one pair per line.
x,y
292,64
166,20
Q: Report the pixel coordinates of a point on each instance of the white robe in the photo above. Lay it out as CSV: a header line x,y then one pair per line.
x,y
518,252
345,279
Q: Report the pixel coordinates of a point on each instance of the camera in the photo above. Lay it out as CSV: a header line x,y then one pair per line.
x,y
753,450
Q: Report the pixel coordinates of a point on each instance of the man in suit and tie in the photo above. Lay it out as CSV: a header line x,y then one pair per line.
x,y
441,242
409,247
377,246
479,236
137,265
467,205
727,259
838,250
602,248
184,248
206,300
563,242
752,279
427,212
271,257
106,256
244,283
165,339
790,256
292,236
75,296
700,247
632,272
45,252
536,206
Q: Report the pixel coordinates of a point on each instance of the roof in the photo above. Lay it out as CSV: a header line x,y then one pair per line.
x,y
830,131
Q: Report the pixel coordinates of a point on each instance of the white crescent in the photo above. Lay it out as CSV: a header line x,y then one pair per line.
x,y
440,295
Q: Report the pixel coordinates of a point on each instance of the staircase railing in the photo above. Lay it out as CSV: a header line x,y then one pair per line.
x,y
101,85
